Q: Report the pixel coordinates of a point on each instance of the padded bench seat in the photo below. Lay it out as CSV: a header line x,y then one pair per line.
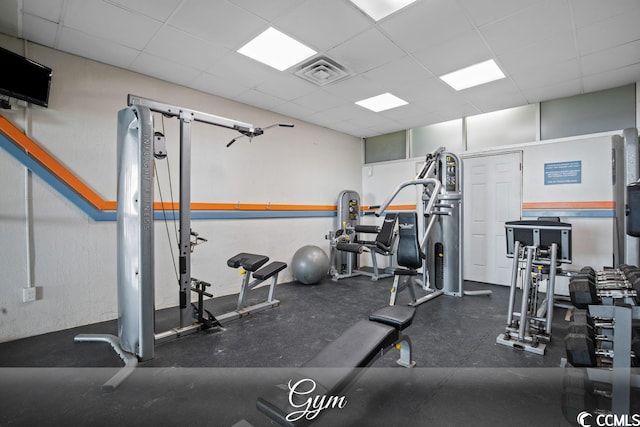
x,y
250,262
400,317
265,272
357,347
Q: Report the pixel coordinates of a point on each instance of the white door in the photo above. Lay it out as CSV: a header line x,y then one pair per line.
x,y
491,196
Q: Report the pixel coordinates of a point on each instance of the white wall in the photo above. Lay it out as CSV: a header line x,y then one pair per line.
x,y
75,257
592,237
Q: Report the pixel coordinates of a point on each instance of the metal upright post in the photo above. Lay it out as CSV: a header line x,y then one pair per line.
x,y
526,287
551,287
514,283
185,217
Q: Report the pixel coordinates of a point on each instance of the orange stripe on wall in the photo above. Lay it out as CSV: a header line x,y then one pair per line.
x,y
246,207
52,164
569,205
66,176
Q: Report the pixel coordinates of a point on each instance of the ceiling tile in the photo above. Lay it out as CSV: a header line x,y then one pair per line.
x,y
164,69
553,91
292,109
242,70
218,21
483,12
427,23
80,44
550,50
397,73
540,20
608,33
613,78
587,12
49,10
355,88
547,74
215,84
108,22
39,30
461,51
547,48
286,87
159,10
178,46
259,99
267,10
616,57
332,22
497,95
319,100
366,51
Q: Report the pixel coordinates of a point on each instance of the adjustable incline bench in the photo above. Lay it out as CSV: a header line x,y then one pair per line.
x,y
358,347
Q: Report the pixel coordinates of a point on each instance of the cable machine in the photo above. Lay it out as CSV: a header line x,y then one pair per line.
x,y
442,213
137,147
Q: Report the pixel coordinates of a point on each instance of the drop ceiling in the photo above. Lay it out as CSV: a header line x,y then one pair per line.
x,y
547,48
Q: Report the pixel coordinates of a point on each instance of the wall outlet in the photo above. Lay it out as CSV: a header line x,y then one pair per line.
x,y
29,294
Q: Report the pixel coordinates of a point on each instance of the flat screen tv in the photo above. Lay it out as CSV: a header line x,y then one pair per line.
x,y
24,79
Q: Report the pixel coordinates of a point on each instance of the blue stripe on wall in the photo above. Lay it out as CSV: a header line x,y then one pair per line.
x,y
570,213
99,215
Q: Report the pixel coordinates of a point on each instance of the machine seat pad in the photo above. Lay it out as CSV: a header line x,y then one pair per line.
x,y
405,272
250,262
350,247
269,270
370,229
398,316
357,347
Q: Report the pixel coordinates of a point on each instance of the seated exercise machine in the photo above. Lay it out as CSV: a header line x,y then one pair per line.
x,y
538,249
347,241
441,241
410,257
137,147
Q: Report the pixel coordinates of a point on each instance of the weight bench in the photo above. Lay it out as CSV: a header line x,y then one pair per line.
x,y
358,347
252,265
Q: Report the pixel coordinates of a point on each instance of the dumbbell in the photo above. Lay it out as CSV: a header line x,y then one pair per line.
x,y
584,291
580,393
612,279
585,347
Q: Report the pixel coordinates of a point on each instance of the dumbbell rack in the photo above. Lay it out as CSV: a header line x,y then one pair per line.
x,y
617,372
530,329
590,287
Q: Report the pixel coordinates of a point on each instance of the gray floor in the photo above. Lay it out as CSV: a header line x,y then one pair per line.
x,y
458,366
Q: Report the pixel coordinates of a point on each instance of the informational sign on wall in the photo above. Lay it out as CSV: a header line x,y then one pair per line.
x,y
563,173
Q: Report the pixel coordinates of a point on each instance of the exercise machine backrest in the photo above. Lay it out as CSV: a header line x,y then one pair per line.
x,y
541,234
385,238
408,254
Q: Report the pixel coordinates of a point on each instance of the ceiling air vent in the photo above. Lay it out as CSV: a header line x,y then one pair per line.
x,y
322,71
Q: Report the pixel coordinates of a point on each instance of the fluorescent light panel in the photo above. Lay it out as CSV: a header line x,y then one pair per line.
x,y
378,9
386,101
276,49
474,75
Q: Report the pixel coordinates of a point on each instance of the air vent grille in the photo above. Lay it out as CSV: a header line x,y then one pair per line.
x,y
322,71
